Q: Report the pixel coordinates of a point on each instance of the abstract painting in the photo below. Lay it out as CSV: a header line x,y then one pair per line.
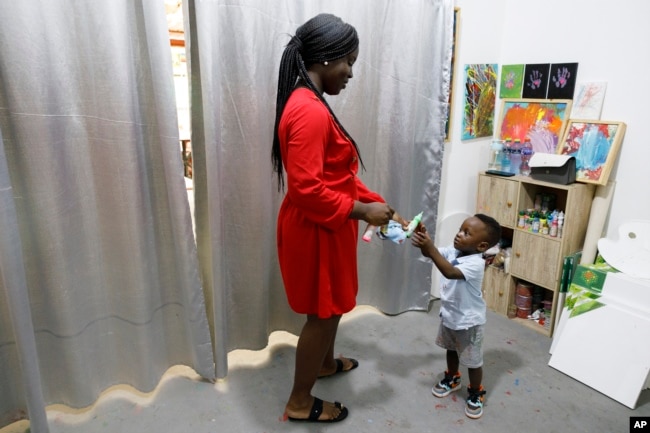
x,y
512,81
539,120
480,98
536,81
562,81
450,100
589,99
595,146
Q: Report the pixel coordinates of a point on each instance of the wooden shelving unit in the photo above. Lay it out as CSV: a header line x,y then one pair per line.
x,y
536,258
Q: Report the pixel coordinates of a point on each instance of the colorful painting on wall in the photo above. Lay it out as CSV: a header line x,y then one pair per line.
x,y
562,81
595,146
589,99
450,100
480,98
512,81
539,120
535,81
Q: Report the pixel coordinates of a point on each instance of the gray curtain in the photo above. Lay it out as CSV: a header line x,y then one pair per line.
x,y
99,274
395,107
101,281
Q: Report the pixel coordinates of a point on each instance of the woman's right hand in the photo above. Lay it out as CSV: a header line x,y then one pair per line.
x,y
376,213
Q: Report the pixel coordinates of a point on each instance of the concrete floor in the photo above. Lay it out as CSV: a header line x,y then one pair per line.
x,y
389,392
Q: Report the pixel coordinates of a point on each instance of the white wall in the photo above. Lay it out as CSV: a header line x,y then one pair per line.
x,y
609,40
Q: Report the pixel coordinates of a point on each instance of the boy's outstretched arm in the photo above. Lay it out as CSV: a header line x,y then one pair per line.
x,y
422,240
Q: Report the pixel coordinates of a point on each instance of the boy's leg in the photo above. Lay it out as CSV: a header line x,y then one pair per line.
x,y
475,377
451,380
473,355
453,362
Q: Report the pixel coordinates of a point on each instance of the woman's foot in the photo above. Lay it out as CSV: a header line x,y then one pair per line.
x,y
339,365
318,411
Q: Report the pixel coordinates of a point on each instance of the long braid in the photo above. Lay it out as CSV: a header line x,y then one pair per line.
x,y
323,38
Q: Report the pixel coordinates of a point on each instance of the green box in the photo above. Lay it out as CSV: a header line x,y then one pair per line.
x,y
592,277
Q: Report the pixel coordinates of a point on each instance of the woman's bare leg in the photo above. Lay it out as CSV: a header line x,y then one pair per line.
x,y
314,343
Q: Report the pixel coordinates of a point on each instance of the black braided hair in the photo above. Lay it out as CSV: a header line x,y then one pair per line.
x,y
324,37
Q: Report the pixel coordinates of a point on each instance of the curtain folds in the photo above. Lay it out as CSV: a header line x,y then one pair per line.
x,y
100,281
395,107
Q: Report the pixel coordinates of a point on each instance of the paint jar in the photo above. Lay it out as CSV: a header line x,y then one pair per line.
x,y
523,313
523,299
512,311
523,288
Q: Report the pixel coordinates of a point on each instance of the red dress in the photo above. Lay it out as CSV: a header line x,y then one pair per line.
x,y
317,241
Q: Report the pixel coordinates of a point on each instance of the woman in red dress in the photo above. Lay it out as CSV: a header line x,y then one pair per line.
x,y
317,232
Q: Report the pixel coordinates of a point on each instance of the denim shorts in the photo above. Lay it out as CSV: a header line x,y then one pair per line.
x,y
467,342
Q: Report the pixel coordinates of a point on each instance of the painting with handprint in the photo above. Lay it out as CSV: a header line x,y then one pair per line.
x,y
536,77
512,80
562,81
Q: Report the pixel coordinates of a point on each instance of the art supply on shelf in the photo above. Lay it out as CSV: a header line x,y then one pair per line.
x,y
496,154
524,299
526,152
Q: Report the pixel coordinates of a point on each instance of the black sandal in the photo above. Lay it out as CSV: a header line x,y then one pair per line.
x,y
317,410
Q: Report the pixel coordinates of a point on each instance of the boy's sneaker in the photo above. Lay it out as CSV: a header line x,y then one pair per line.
x,y
475,400
447,385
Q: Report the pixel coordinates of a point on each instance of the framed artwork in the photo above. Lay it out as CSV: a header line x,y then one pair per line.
x,y
562,81
512,81
450,101
589,99
595,145
480,99
542,121
535,81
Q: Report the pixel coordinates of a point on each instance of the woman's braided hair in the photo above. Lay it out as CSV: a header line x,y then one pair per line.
x,y
323,38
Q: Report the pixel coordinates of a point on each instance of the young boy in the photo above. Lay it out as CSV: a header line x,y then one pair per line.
x,y
462,308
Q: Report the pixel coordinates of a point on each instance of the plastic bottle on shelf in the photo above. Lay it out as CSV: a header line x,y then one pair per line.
x,y
505,160
521,222
496,155
553,229
543,225
515,156
560,223
525,153
535,225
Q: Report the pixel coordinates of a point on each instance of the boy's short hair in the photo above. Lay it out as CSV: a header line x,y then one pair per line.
x,y
492,227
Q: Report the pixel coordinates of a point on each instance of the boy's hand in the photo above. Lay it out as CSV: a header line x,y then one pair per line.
x,y
421,239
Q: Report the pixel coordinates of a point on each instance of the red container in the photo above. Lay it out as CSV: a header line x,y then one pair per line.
x,y
523,313
524,289
523,301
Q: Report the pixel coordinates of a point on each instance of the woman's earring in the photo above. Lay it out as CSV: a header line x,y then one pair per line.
x,y
325,63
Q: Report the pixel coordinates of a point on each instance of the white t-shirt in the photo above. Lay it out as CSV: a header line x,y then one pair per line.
x,y
462,305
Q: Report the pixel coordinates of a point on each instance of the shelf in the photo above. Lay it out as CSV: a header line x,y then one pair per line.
x,y
528,323
549,237
535,257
